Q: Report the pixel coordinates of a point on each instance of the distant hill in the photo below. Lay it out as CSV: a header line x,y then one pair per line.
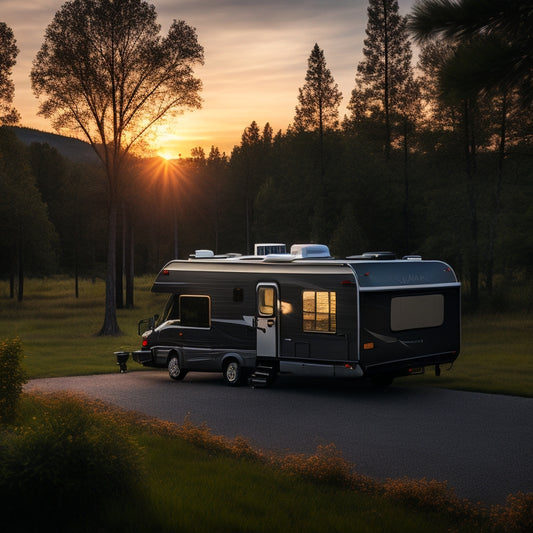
x,y
68,147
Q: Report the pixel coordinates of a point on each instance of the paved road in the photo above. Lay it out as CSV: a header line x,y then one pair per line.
x,y
482,444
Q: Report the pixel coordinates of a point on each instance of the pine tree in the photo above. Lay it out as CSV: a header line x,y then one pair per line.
x,y
319,99
385,74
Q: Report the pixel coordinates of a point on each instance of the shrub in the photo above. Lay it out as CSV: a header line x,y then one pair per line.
x,y
12,379
326,466
68,462
517,516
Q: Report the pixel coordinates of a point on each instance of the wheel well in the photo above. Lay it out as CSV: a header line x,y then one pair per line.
x,y
171,354
229,357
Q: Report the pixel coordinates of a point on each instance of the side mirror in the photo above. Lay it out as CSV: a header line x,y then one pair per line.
x,y
141,322
149,322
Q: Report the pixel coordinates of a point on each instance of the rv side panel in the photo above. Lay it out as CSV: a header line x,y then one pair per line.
x,y
319,319
403,328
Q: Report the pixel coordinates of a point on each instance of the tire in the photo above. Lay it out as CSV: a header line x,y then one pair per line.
x,y
174,370
234,374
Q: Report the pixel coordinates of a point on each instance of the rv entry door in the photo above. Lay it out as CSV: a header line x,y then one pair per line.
x,y
267,315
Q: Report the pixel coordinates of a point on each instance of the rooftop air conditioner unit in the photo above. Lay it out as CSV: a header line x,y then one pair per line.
x,y
310,251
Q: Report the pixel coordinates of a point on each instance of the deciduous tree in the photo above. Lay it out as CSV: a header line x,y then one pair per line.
x,y
105,72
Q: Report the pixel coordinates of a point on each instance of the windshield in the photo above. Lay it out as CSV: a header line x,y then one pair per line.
x,y
171,311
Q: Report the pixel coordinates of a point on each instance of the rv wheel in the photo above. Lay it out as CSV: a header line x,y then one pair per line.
x,y
234,375
174,370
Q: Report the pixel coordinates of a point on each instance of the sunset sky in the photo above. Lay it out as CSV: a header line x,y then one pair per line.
x,y
256,54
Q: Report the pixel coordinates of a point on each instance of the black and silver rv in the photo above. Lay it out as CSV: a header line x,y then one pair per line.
x,y
303,313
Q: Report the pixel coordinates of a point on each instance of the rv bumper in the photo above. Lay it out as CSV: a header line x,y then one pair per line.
x,y
405,367
143,357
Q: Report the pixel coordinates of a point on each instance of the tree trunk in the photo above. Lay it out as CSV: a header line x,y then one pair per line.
x,y
12,276
110,326
76,268
20,293
406,188
119,264
386,87
493,229
471,169
130,265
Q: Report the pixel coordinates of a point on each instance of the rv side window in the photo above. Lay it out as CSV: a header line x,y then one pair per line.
x,y
195,311
266,301
414,312
320,311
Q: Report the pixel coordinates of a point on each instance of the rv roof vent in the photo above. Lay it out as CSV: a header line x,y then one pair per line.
x,y
412,257
310,251
279,258
374,256
270,248
203,254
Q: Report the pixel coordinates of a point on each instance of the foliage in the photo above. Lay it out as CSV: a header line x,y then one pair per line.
x,y
12,379
495,49
66,462
104,69
384,80
8,54
516,516
319,98
27,236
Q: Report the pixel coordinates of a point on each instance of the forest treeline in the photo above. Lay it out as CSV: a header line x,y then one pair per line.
x,y
271,189
415,166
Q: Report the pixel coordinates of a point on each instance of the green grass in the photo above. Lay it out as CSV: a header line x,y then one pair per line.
x,y
194,491
58,333
496,357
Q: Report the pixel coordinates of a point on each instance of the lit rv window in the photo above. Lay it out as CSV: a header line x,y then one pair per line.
x,y
266,301
320,311
195,311
414,312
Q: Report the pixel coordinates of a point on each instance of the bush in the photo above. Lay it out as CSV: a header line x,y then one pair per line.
x,y
68,462
517,516
12,379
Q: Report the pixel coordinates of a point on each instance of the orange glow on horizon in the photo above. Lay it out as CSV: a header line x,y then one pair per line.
x,y
167,156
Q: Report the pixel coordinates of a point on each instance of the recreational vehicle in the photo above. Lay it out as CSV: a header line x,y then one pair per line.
x,y
303,312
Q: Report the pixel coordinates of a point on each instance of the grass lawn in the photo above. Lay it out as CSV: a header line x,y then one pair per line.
x,y
496,356
58,331
59,338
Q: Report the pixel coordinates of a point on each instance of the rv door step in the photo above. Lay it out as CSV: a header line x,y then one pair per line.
x,y
263,375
